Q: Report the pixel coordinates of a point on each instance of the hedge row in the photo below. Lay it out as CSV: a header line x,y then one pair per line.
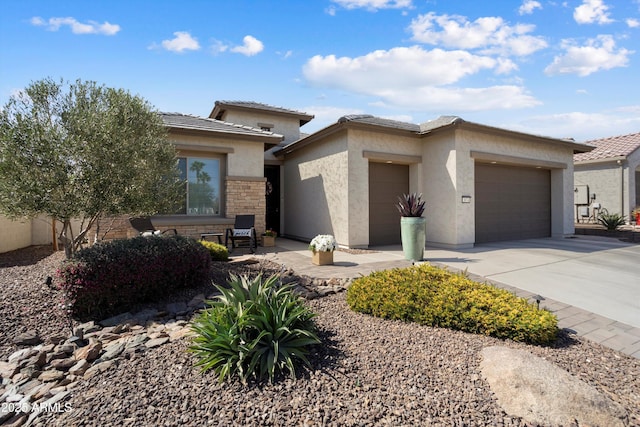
x,y
109,278
436,297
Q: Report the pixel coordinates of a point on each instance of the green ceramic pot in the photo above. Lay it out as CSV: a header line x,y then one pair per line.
x,y
413,237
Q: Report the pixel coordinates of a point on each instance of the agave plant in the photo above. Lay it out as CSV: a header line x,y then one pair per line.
x,y
254,329
611,221
410,205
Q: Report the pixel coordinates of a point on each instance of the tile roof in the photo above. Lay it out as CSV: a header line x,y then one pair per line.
x,y
187,121
611,147
378,121
439,122
263,107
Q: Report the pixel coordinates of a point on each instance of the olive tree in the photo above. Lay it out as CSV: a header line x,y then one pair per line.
x,y
80,151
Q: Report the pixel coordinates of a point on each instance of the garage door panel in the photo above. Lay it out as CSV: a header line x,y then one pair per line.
x,y
386,183
511,203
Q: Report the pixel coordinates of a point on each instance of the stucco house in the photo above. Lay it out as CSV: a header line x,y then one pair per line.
x,y
608,176
480,183
223,165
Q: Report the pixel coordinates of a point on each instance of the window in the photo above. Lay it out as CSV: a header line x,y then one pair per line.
x,y
202,186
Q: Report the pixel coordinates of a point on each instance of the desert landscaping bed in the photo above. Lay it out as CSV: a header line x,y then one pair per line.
x,y
368,371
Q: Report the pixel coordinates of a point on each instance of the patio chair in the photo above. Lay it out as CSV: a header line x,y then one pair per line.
x,y
144,226
243,231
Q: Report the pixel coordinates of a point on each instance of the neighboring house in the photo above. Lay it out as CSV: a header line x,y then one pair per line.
x,y
609,175
480,183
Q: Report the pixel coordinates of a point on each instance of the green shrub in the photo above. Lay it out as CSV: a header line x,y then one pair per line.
x,y
253,329
218,252
611,221
111,277
433,296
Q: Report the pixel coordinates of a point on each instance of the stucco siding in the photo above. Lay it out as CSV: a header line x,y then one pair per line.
x,y
439,183
605,181
246,158
287,127
317,190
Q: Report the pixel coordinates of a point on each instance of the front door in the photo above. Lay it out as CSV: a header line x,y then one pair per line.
x,y
272,194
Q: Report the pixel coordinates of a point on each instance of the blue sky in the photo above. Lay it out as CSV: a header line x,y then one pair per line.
x,y
562,69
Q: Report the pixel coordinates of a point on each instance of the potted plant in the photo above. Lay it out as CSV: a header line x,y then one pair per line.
x,y
322,247
412,225
269,238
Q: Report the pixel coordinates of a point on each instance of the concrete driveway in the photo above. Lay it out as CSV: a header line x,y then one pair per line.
x,y
599,275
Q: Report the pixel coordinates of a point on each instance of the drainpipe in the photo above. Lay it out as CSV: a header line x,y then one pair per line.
x,y
622,212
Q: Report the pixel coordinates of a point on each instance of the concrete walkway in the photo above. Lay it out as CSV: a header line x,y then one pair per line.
x,y
592,284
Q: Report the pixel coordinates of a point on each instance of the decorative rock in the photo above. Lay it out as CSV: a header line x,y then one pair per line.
x,y
111,352
22,354
63,364
37,361
56,355
120,318
530,387
27,338
144,315
52,375
16,421
43,391
8,369
88,327
66,348
79,368
98,368
156,342
56,339
197,302
176,307
179,334
90,352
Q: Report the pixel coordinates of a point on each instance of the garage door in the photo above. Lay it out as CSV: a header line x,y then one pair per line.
x,y
512,203
386,183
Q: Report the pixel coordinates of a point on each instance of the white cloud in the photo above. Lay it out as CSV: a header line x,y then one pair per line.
x,y
591,11
181,42
597,54
491,34
528,6
413,77
397,67
633,23
584,126
218,47
374,4
91,27
251,46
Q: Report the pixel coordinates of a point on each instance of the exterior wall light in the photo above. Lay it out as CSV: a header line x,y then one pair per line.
x,y
466,199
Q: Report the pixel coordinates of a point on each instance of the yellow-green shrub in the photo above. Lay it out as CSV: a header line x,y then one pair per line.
x,y
218,252
436,297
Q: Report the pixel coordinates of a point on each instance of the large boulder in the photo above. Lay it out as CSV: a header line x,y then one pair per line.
x,y
540,392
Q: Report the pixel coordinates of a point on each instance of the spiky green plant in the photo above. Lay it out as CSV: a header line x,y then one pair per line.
x,y
255,328
611,221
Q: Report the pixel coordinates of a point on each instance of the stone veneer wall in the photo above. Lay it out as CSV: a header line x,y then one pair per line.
x,y
243,196
247,196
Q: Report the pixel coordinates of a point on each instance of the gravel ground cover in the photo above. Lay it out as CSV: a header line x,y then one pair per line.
x,y
368,371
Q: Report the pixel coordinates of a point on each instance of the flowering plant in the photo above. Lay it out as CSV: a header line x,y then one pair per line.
x,y
323,243
269,233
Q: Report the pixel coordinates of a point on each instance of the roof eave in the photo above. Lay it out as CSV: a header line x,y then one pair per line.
x,y
219,108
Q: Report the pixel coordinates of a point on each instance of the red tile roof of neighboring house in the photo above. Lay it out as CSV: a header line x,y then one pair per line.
x,y
612,147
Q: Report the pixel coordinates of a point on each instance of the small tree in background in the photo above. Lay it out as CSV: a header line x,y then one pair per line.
x,y
82,151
